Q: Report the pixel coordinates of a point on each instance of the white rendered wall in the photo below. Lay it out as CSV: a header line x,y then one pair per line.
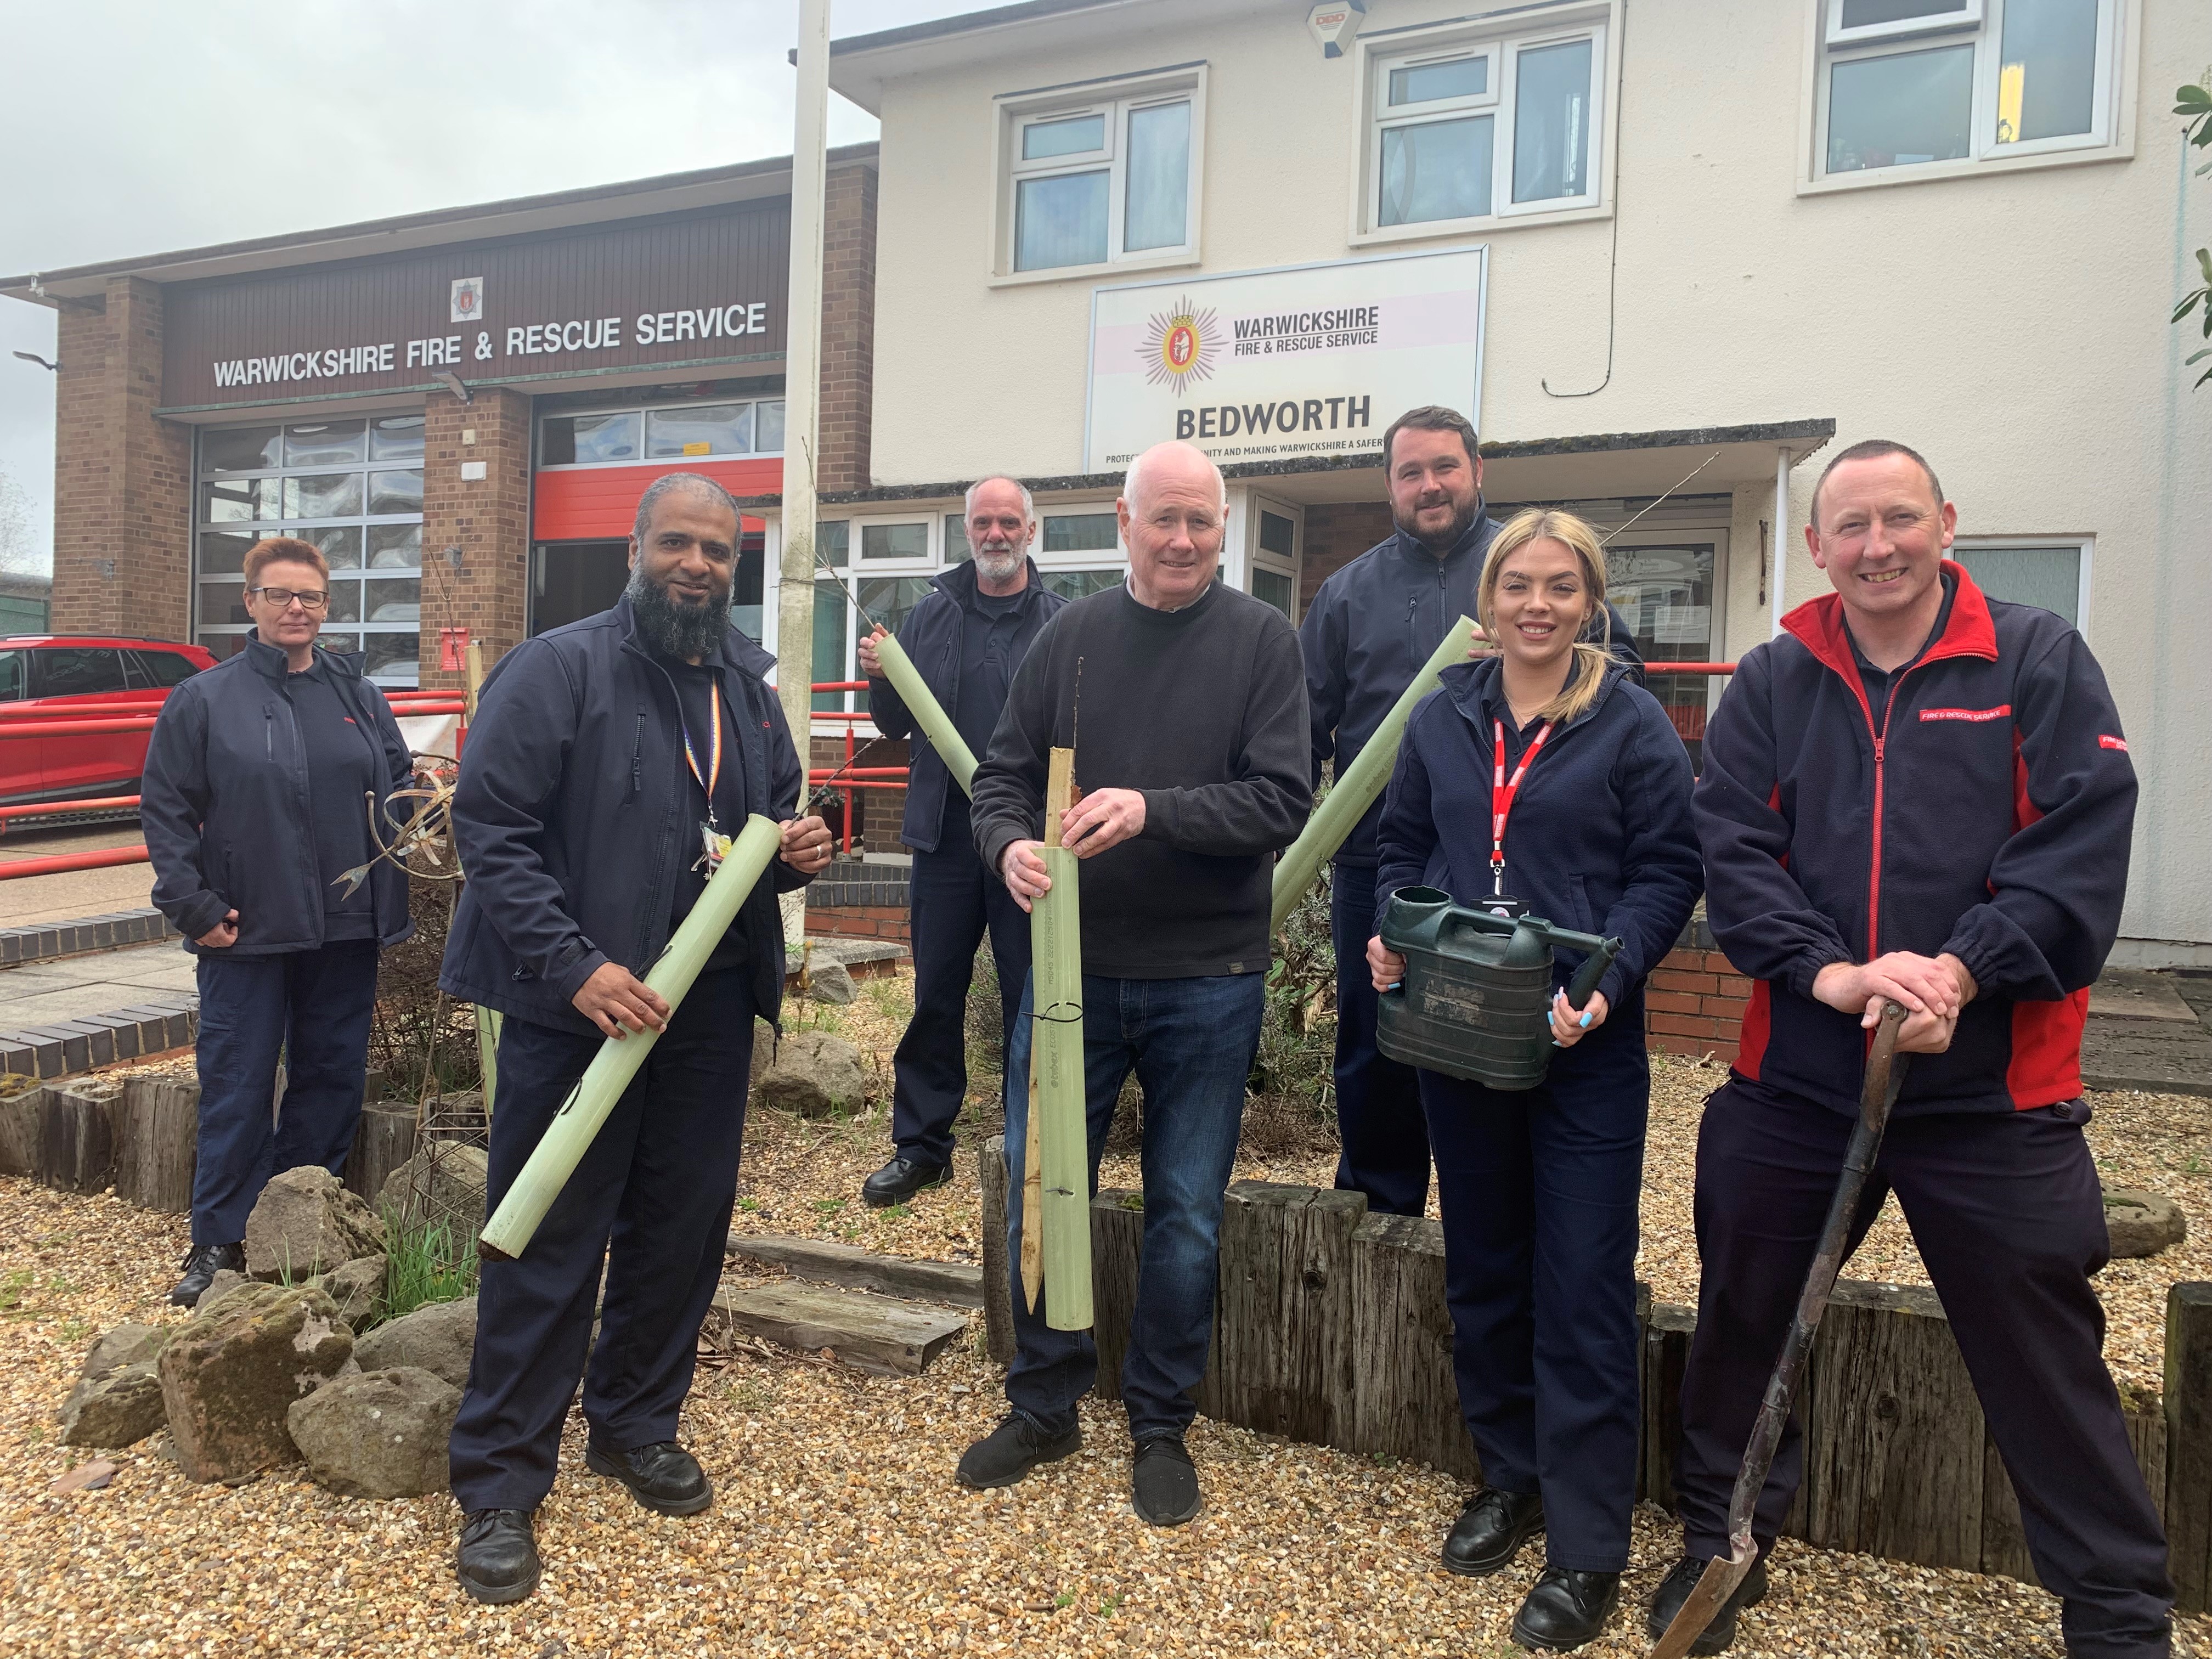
x,y
2012,325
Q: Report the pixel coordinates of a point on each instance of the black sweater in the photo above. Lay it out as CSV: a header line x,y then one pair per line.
x,y
1203,710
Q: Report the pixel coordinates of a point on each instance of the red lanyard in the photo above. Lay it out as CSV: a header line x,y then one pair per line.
x,y
1501,793
714,772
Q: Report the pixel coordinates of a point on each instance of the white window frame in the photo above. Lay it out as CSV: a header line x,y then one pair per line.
x,y
2111,128
1397,48
1258,558
642,410
1085,558
927,562
2085,545
1115,99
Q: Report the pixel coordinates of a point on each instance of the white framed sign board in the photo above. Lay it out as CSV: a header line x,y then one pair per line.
x,y
1301,360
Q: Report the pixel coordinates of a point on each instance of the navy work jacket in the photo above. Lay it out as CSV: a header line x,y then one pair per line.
x,y
931,637
1600,839
573,819
229,818
1987,814
1369,630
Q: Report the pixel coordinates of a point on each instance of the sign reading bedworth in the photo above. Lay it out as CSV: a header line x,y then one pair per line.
x,y
1310,360
702,292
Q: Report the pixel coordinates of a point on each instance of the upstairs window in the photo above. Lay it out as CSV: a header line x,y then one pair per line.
x,y
1919,83
1483,129
1102,182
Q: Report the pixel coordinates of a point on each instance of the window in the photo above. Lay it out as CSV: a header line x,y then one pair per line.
x,y
1915,83
11,676
1664,592
1081,584
905,543
355,490
2051,575
624,437
1476,129
1274,555
166,668
1080,532
1107,181
79,671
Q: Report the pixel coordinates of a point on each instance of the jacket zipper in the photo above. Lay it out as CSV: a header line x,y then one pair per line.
x,y
637,758
1881,749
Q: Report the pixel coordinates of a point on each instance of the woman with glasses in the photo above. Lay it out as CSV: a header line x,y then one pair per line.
x,y
262,777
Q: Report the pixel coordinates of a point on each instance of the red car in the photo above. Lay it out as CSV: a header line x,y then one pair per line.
x,y
103,676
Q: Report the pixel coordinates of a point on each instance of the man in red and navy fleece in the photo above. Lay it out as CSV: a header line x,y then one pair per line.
x,y
1920,793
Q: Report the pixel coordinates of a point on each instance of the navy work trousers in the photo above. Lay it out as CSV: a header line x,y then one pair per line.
x,y
1539,1191
1191,1041
313,1008
651,1201
1378,1100
956,901
2006,1210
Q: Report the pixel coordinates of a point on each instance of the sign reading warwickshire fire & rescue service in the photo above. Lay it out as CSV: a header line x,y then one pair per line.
x,y
1310,360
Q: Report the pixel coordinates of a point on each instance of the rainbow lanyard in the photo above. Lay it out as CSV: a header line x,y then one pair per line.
x,y
713,774
1501,793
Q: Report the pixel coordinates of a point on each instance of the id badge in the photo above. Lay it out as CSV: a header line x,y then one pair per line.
x,y
714,848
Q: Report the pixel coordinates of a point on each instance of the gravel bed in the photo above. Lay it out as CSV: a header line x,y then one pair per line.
x,y
837,1529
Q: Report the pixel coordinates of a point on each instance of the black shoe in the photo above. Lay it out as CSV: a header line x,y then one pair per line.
x,y
1676,1587
1012,1450
202,1263
497,1560
663,1476
1491,1530
899,1180
1164,1482
1565,1608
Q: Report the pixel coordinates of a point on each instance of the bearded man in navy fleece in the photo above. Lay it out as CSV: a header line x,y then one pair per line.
x,y
1193,768
1917,793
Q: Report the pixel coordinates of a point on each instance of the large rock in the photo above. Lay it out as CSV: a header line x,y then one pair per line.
x,y
357,1288
229,1375
116,1400
307,1223
809,1073
439,1339
2142,1223
379,1434
224,1282
445,1181
829,980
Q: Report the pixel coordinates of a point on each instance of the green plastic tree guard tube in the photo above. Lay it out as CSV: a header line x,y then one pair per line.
x,y
1056,1036
1357,787
928,713
554,1157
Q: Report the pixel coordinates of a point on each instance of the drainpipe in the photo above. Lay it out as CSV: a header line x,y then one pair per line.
x,y
1781,531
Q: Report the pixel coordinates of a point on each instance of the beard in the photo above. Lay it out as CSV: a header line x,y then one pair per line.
x,y
995,562
1462,516
672,630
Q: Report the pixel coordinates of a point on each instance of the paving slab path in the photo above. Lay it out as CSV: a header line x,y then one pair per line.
x,y
42,993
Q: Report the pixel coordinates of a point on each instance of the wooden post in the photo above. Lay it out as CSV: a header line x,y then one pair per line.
x,y
76,1135
1117,1239
2189,1444
998,1291
384,1139
1405,1403
1285,1317
157,1130
19,1132
1894,1463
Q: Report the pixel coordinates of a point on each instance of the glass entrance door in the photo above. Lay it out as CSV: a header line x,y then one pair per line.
x,y
1663,588
571,581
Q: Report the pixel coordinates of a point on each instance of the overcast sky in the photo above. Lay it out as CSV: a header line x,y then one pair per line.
x,y
130,127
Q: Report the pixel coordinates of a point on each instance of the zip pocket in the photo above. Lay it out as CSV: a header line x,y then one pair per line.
x,y
268,734
637,759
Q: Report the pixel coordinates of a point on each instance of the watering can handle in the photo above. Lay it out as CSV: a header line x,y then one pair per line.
x,y
1584,983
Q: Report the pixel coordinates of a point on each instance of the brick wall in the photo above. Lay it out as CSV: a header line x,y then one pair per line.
x,y
122,476
487,519
1694,1002
1337,532
848,328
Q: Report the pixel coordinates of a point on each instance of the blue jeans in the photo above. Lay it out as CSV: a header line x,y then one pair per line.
x,y
313,1008
1191,1041
1378,1099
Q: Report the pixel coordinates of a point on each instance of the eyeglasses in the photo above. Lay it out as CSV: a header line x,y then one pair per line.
x,y
281,597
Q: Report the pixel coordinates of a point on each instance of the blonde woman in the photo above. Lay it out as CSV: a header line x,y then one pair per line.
x,y
1544,773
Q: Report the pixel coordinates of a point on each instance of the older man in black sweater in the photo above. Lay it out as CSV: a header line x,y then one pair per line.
x,y
1193,772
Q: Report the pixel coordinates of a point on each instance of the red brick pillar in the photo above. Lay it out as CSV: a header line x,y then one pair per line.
x,y
475,531
849,327
1693,1003
122,476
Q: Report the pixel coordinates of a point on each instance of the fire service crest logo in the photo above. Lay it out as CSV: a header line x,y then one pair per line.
x,y
1180,346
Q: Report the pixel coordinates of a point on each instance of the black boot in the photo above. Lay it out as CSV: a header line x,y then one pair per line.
x,y
1491,1530
1164,1482
1676,1587
202,1263
1012,1450
663,1476
900,1179
1565,1608
497,1560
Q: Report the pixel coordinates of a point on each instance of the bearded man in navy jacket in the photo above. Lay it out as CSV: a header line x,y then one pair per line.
x,y
1916,792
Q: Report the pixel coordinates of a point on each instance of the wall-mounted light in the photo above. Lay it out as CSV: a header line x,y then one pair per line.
x,y
33,357
452,382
